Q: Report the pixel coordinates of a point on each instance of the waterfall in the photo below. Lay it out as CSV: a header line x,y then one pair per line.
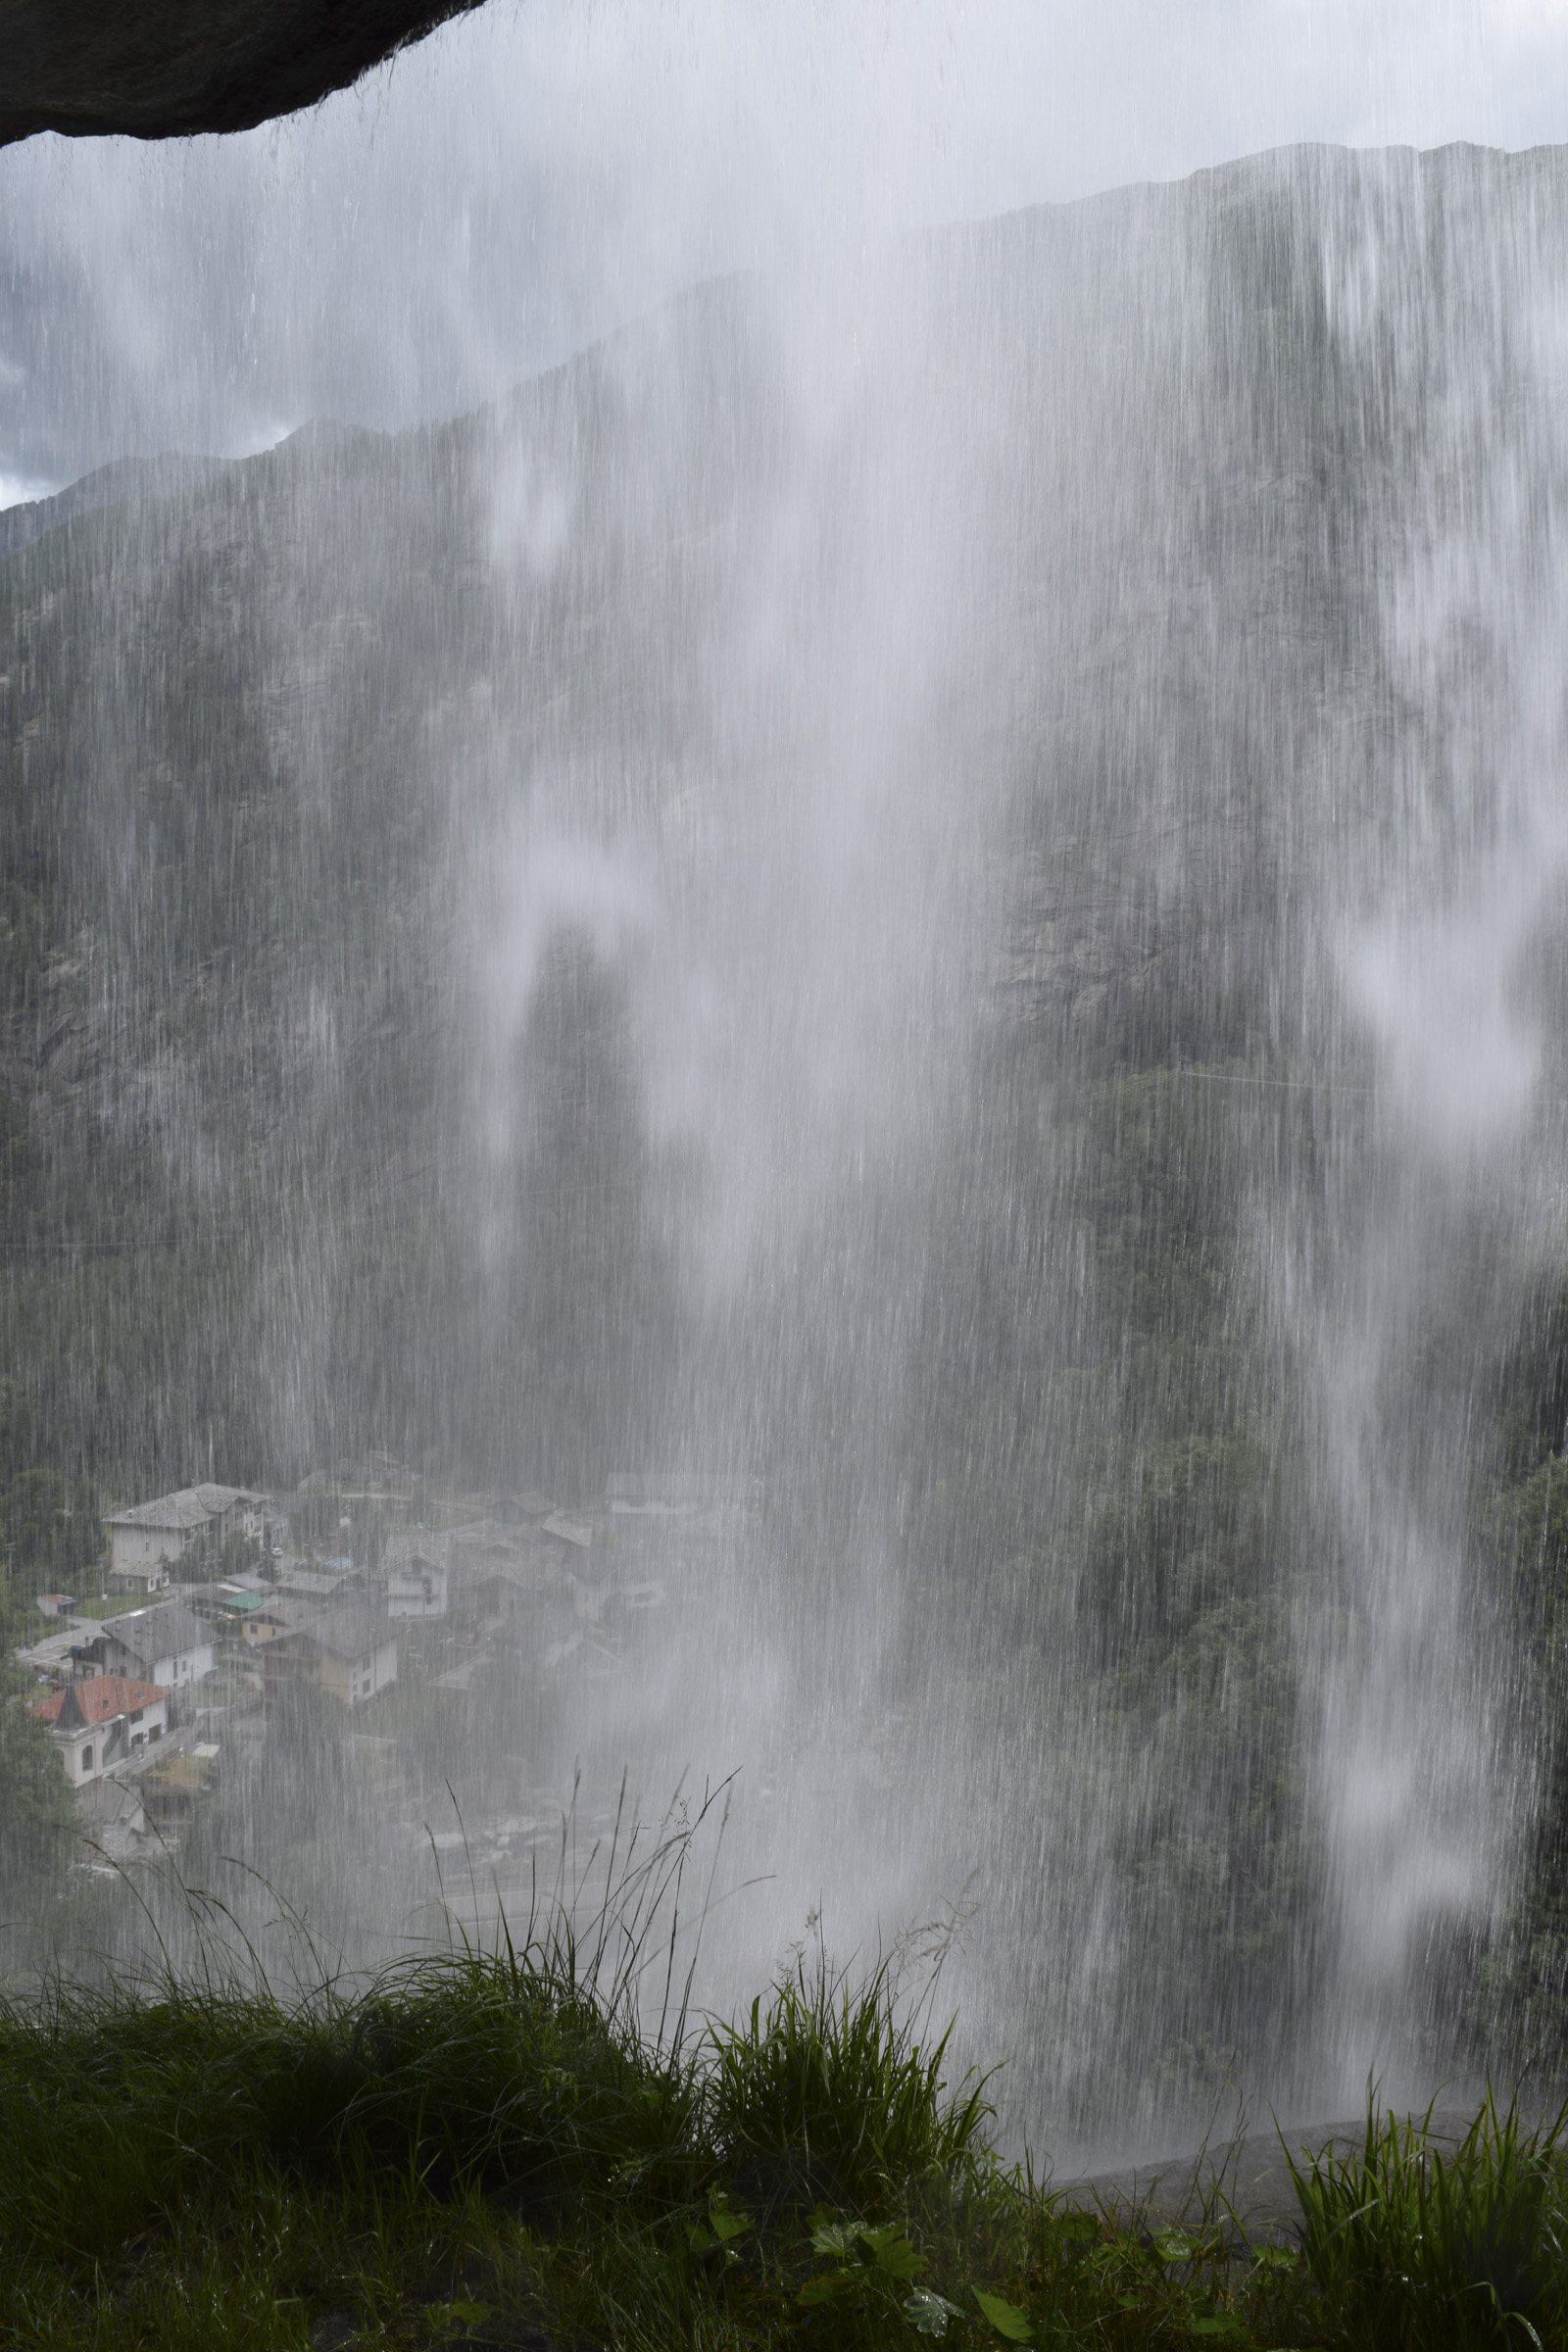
x,y
896,941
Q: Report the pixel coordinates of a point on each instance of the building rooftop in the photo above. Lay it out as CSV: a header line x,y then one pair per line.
x,y
292,1576
415,1543
97,1700
158,1633
352,1630
186,1508
530,1505
294,1611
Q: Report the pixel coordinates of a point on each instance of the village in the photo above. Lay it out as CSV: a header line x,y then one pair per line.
x,y
222,1605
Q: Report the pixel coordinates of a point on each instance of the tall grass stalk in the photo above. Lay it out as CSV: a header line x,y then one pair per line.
x,y
825,2091
1422,2247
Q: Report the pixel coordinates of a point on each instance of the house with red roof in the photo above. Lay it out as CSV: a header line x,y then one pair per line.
x,y
103,1721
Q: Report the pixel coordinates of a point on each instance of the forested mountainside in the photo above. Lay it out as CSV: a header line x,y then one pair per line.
x,y
801,895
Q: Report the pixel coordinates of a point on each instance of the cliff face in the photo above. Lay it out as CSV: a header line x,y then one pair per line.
x,y
165,70
900,898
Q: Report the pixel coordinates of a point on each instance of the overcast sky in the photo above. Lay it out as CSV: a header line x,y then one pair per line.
x,y
537,172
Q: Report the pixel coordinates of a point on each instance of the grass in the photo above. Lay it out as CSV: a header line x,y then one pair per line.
x,y
537,2145
826,2092
1423,2248
479,2146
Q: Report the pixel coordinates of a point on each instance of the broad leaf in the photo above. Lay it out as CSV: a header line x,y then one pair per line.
x,y
832,2236
1077,2229
929,2314
1005,2317
892,2252
1174,2246
727,2225
826,2289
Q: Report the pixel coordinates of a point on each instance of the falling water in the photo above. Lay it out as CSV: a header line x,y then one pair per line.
x,y
937,897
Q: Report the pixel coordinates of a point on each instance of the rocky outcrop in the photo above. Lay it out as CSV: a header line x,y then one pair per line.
x,y
122,480
164,69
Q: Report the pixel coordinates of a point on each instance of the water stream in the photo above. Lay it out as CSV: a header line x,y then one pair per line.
x,y
934,899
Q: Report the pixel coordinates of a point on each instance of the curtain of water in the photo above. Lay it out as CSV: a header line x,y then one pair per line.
x,y
935,895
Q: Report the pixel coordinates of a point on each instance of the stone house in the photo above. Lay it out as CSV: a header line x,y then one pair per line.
x,y
145,1539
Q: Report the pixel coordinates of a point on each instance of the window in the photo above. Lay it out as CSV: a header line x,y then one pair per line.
x,y
86,1758
136,1714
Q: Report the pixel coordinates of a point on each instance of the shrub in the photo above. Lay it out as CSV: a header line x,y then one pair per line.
x,y
825,2092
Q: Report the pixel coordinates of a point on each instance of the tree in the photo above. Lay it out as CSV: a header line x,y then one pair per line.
x,y
37,1815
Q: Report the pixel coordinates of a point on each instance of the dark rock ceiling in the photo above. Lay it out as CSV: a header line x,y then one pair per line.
x,y
160,68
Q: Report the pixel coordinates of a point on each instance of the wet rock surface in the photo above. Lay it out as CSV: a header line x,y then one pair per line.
x,y
1241,2185
85,67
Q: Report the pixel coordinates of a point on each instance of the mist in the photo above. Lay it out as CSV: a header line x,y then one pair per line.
x,y
827,962
527,180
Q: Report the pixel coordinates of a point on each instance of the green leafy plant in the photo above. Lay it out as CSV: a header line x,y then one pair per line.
x,y
716,2235
1009,2323
870,2266
463,2313
928,2313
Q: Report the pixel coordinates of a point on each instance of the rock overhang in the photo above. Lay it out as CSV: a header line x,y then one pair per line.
x,y
168,68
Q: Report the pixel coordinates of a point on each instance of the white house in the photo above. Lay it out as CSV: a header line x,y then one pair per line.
x,y
353,1651
414,1567
103,1722
144,1540
167,1645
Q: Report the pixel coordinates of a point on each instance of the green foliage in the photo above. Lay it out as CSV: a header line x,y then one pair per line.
x,y
50,1535
870,2282
1425,2249
485,2144
36,1822
723,2224
496,2071
1008,2322
825,2090
36,1818
110,1604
